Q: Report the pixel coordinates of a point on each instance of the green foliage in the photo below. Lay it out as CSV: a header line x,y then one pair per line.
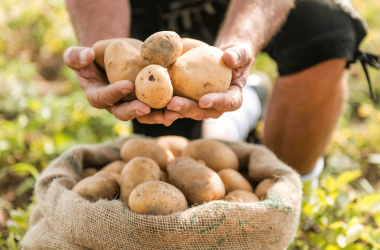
x,y
43,112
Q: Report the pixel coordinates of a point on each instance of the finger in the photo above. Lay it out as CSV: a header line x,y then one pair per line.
x,y
102,95
78,57
227,101
129,110
189,108
172,115
238,56
155,117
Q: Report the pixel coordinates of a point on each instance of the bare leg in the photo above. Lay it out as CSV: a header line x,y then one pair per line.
x,y
303,112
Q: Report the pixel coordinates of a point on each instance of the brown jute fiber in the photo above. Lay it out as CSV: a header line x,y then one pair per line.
x,y
64,220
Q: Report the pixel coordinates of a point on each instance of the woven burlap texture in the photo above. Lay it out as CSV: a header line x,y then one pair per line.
x,y
64,220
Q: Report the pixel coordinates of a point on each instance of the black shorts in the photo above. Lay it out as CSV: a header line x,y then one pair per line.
x,y
315,31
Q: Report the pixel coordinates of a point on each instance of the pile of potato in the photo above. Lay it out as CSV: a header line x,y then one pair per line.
x,y
167,174
163,65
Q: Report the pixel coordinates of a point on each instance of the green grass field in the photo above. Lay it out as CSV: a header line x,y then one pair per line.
x,y
43,112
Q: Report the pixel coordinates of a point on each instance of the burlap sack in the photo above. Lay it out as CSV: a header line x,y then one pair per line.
x,y
64,220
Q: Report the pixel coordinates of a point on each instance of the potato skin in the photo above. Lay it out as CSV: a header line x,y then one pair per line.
x,y
137,171
233,180
179,161
144,148
197,182
216,155
101,46
153,86
263,187
176,144
157,198
87,172
163,176
189,43
161,48
102,185
241,196
114,167
200,71
122,62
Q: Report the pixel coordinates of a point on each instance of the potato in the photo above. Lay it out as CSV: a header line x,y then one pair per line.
x,y
137,171
145,148
197,182
216,155
161,48
157,198
101,185
263,187
88,172
122,62
153,86
189,43
101,46
241,196
179,161
233,180
200,71
116,176
176,144
114,167
163,176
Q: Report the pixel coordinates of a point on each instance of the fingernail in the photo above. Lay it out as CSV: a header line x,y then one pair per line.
x,y
209,105
177,108
82,55
139,113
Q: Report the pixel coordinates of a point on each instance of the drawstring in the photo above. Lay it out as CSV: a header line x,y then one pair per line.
x,y
371,60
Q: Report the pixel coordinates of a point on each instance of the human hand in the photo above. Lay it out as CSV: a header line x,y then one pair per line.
x,y
237,56
102,95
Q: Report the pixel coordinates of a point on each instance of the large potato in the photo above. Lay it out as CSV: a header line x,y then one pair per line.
x,y
197,182
137,171
189,43
161,48
241,196
200,71
157,197
263,187
216,155
176,144
101,46
153,86
101,185
122,62
233,180
114,167
145,148
179,161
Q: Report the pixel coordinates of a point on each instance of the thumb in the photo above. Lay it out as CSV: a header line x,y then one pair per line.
x,y
238,56
78,57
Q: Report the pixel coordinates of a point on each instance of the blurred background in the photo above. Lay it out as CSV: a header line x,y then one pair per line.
x,y
43,112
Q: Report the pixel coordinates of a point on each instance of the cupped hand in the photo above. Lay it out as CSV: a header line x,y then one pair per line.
x,y
239,57
102,95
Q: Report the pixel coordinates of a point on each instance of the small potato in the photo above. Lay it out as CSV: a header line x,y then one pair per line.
x,y
122,62
116,176
176,144
197,182
216,155
157,198
161,48
200,71
145,148
241,196
137,171
114,167
163,176
263,187
102,185
88,172
153,86
101,46
233,180
189,43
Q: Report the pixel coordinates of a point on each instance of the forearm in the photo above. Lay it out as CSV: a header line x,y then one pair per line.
x,y
253,22
99,20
